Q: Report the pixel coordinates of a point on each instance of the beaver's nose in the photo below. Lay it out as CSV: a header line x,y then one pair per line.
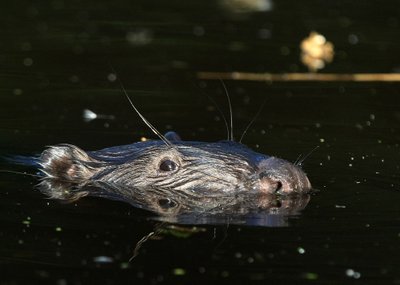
x,y
280,176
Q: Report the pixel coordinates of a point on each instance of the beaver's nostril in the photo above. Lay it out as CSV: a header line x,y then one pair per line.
x,y
271,184
278,186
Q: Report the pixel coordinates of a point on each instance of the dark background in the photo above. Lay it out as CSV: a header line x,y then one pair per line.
x,y
55,61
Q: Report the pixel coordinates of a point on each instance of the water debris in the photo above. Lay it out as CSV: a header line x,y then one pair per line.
x,y
310,276
103,259
74,79
301,250
340,206
17,91
112,77
26,46
28,61
89,115
353,39
352,273
27,221
140,37
246,6
179,271
124,265
199,31
316,51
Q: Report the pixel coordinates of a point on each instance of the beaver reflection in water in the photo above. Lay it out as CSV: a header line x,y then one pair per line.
x,y
196,175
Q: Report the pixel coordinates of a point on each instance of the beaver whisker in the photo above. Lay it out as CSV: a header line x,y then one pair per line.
x,y
299,162
220,112
155,131
230,109
297,159
253,120
20,173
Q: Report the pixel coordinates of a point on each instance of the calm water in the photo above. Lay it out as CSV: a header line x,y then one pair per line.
x,y
55,62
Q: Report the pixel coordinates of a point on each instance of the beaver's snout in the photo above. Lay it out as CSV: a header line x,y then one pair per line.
x,y
280,176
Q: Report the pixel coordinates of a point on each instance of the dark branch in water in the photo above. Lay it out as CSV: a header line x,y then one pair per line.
x,y
284,77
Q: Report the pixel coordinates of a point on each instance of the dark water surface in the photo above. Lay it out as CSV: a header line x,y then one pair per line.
x,y
55,60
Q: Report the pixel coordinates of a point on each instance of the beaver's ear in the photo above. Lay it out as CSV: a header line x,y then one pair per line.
x,y
172,137
67,162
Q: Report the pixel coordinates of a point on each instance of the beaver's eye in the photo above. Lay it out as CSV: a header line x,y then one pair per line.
x,y
168,165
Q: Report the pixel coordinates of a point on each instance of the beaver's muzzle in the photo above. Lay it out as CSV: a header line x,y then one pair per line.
x,y
280,176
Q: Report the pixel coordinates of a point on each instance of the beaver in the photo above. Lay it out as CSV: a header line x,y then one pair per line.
x,y
170,176
160,175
